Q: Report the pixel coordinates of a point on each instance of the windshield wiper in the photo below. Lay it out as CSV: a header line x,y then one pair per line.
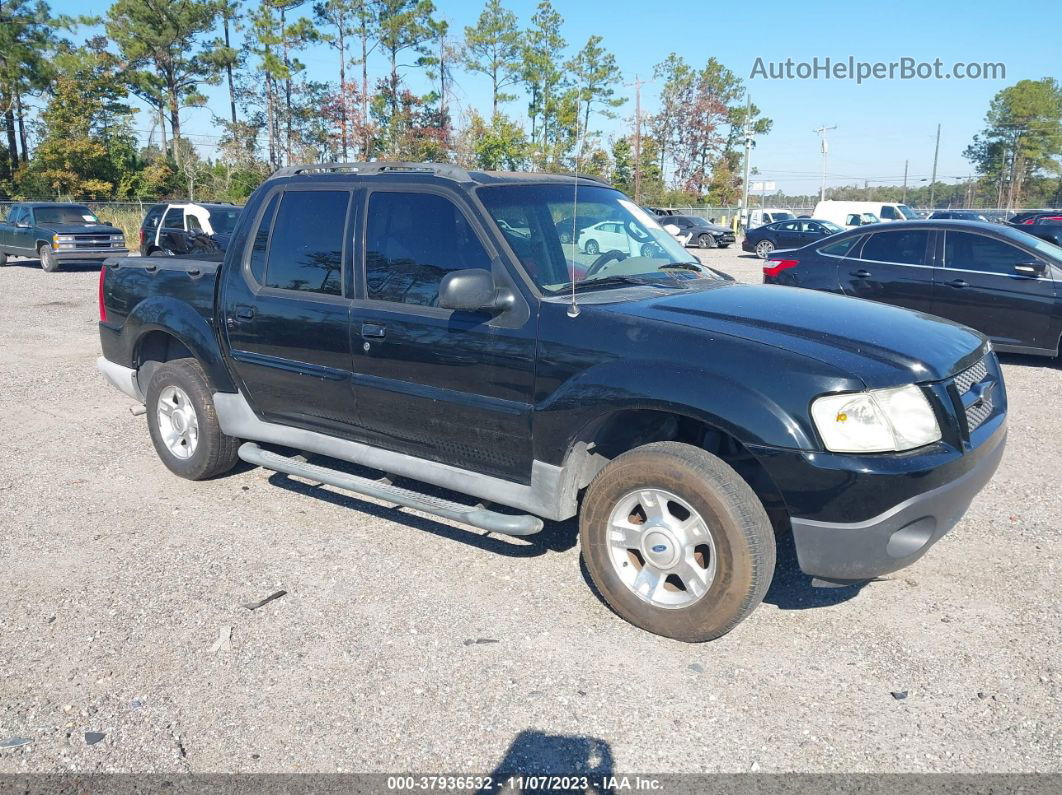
x,y
614,281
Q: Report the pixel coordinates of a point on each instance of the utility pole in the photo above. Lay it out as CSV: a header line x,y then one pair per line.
x,y
748,157
933,181
824,145
904,199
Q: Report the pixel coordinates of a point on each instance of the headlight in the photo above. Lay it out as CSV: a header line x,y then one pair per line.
x,y
877,421
117,240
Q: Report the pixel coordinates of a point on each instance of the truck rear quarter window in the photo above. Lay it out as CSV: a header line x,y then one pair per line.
x,y
261,240
306,248
412,241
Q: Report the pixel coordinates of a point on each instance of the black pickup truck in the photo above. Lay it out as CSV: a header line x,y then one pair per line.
x,y
429,323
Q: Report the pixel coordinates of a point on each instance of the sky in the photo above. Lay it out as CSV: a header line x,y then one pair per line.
x,y
880,123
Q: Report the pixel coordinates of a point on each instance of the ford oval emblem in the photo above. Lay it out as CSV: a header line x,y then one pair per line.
x,y
659,548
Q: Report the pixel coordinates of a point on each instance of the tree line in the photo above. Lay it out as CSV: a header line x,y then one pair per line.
x,y
82,140
71,126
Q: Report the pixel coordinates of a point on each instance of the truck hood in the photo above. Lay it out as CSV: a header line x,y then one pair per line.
x,y
81,229
878,344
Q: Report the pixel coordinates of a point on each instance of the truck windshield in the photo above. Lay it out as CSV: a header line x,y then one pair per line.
x,y
592,235
907,212
70,214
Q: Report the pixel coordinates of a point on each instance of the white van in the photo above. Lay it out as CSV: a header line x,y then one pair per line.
x,y
849,214
768,215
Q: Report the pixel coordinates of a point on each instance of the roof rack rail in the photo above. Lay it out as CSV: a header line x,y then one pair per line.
x,y
590,177
445,170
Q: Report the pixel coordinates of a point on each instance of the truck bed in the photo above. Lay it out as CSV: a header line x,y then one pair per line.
x,y
131,280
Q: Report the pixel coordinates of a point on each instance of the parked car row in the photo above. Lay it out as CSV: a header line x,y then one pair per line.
x,y
55,232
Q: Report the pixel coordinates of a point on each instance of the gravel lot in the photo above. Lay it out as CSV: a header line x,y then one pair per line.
x,y
406,643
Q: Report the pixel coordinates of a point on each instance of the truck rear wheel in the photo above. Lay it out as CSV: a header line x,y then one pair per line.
x,y
183,423
676,541
49,262
3,259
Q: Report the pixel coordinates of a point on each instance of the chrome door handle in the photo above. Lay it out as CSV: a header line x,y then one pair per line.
x,y
373,330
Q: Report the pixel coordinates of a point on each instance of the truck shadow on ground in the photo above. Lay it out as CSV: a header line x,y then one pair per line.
x,y
534,753
71,267
790,589
554,537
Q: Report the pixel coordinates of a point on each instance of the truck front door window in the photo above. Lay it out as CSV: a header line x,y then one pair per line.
x,y
412,241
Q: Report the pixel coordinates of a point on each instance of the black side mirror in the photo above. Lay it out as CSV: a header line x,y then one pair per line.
x,y
1035,268
473,290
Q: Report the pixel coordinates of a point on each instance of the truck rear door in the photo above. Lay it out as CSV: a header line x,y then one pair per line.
x,y
285,312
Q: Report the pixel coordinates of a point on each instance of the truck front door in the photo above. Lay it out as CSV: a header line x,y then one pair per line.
x,y
454,387
285,312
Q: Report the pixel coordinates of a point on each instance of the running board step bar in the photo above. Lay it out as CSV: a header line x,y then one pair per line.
x,y
475,515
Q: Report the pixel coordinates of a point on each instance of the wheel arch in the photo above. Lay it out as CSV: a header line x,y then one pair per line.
x,y
163,329
609,435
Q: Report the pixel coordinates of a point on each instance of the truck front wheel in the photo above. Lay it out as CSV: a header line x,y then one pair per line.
x,y
183,423
676,541
49,262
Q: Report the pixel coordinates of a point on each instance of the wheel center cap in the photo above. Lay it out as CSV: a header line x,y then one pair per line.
x,y
178,422
659,548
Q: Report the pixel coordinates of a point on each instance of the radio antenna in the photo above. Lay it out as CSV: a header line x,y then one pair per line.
x,y
573,308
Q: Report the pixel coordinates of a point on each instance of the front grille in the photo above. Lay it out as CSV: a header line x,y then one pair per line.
x,y
92,241
967,378
977,407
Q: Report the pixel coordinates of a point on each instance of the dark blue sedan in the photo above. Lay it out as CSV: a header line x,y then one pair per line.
x,y
787,234
1002,282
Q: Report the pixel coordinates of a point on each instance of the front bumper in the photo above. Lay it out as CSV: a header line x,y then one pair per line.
x,y
88,254
929,493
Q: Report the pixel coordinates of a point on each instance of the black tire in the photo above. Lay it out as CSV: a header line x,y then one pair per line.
x,y
741,532
214,452
49,262
3,259
707,241
592,247
565,236
764,248
724,245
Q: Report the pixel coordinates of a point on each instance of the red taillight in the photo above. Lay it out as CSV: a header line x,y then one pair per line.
x,y
141,235
103,307
775,266
1052,218
1027,222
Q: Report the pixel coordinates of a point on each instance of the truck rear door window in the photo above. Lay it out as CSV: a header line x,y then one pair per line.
x,y
306,248
174,218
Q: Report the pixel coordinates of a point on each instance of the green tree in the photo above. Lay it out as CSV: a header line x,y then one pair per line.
x,y
166,36
404,25
87,143
1022,138
695,124
342,16
542,74
492,48
26,37
595,75
498,146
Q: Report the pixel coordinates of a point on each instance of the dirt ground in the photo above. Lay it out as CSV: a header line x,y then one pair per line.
x,y
404,643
